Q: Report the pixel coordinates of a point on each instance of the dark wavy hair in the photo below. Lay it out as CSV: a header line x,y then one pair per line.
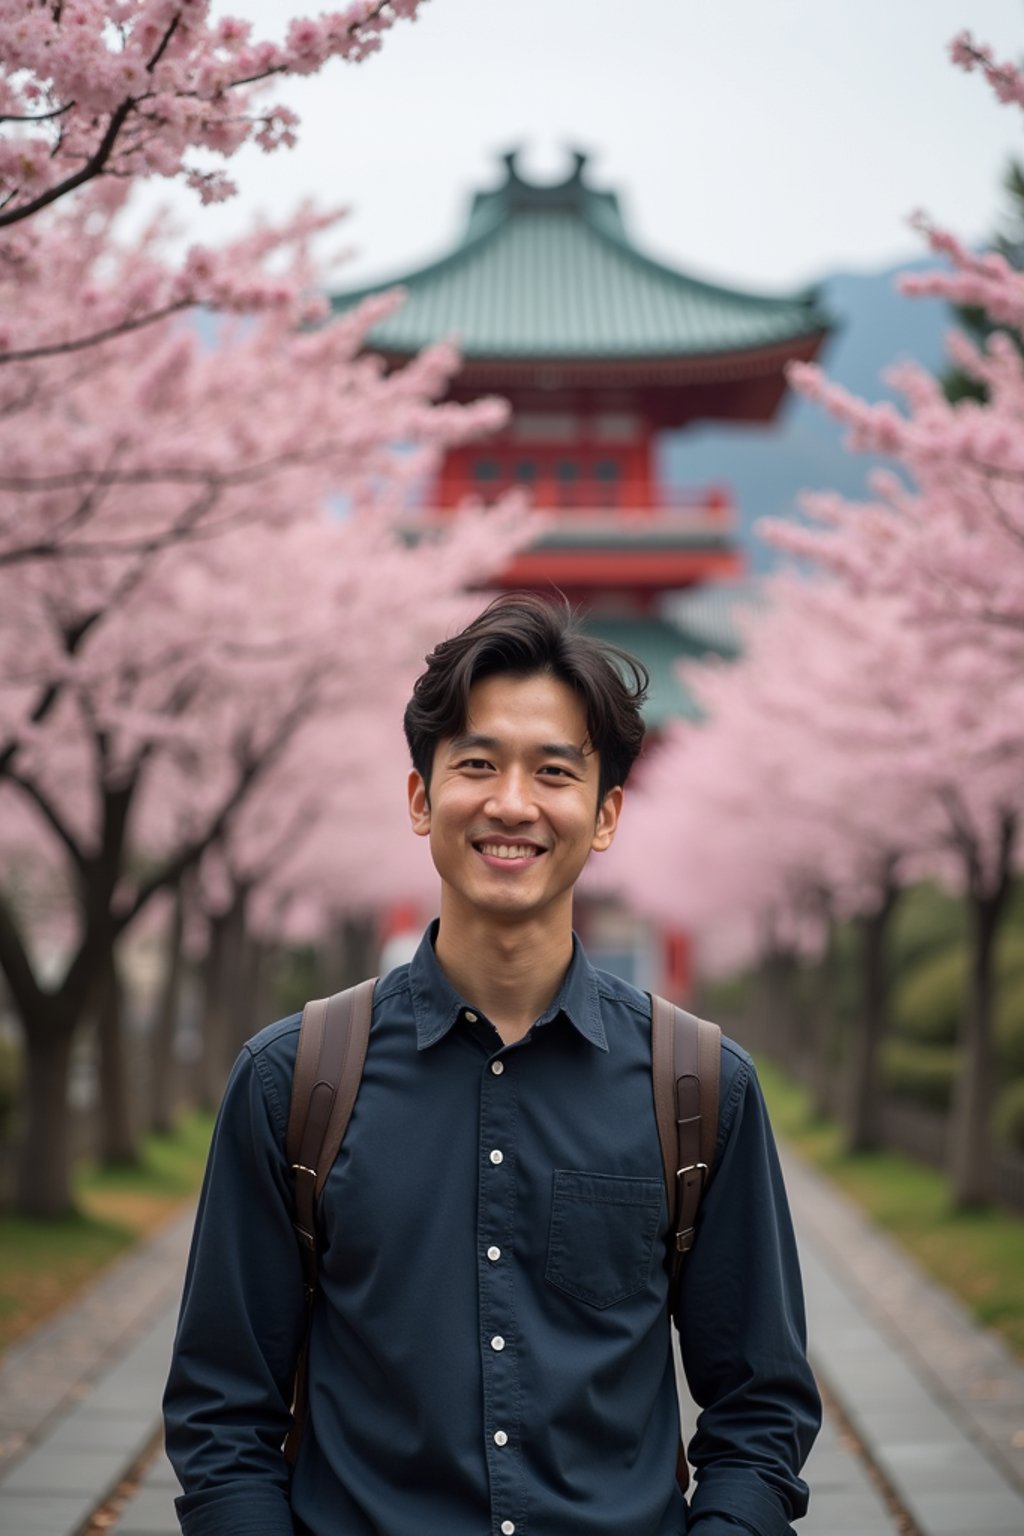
x,y
522,634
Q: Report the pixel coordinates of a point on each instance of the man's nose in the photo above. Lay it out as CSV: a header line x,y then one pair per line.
x,y
511,799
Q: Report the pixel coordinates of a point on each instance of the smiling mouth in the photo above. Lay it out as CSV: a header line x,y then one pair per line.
x,y
509,850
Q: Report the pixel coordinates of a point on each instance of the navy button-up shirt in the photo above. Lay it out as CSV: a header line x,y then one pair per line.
x,y
490,1349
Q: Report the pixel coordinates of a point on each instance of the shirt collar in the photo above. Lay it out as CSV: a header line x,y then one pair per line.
x,y
437,1005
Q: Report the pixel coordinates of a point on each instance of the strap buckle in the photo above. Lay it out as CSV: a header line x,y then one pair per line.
x,y
307,1239
701,1168
687,1208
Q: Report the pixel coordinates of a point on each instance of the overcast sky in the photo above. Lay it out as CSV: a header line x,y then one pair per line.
x,y
763,142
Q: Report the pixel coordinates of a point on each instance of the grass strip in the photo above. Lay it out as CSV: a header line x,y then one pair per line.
x,y
976,1254
44,1264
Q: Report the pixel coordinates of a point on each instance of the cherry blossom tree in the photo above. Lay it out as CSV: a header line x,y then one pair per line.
x,y
208,584
206,577
947,550
127,89
209,677
936,559
201,548
791,806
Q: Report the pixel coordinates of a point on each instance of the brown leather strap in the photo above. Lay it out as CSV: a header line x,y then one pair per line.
x,y
686,1069
663,1076
356,1031
709,1056
333,1038
686,1062
691,1169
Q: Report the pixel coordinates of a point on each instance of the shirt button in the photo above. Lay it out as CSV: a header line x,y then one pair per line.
x,y
500,1437
471,1018
508,1528
494,1254
497,1067
498,1343
497,1157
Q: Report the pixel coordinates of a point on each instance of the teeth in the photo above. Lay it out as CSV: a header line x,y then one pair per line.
x,y
508,851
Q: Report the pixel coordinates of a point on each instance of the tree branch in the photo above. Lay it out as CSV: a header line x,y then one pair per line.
x,y
31,790
36,117
91,168
16,965
125,328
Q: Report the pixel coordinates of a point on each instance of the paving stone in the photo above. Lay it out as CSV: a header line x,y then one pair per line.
x,y
844,1500
161,1475
981,1514
150,1514
82,1430
943,1467
80,1472
834,1514
26,1514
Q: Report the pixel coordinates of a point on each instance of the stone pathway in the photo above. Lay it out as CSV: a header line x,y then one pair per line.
x,y
55,1367
968,1373
937,1402
925,1436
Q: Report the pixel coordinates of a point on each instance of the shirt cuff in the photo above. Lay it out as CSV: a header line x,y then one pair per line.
x,y
717,1525
235,1509
733,1501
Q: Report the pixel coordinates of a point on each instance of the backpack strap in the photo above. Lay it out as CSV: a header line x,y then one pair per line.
x,y
333,1038
686,1067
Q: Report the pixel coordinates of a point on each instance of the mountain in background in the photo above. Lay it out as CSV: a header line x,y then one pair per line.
x,y
766,468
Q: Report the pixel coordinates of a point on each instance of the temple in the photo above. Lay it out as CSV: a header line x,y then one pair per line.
x,y
600,350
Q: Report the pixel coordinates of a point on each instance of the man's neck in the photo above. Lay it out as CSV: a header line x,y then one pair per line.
x,y
510,972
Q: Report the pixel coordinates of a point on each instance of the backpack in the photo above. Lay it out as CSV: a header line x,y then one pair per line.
x,y
335,1032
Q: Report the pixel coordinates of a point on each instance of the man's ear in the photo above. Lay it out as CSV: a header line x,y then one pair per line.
x,y
419,805
608,814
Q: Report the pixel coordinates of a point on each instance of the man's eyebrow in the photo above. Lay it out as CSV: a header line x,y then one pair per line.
x,y
475,739
563,749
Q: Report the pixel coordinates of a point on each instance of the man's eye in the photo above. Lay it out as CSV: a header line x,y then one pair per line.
x,y
556,770
474,762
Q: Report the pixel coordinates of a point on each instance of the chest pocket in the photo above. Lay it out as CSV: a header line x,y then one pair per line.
x,y
603,1230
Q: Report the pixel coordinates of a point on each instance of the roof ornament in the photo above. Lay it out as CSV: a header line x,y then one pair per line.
x,y
509,161
518,191
579,160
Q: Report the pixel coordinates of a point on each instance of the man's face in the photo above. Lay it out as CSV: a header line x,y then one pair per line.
x,y
513,813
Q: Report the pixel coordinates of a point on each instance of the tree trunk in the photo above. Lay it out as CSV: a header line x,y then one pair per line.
x,y
242,966
783,1009
44,1164
50,1018
163,1066
356,955
865,1085
213,1060
823,1026
249,1010
971,1166
118,1138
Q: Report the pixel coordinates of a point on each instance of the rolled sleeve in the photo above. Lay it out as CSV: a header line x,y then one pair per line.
x,y
742,1332
227,1401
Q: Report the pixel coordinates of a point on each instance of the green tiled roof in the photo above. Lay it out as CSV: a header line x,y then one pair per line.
x,y
549,272
714,615
661,647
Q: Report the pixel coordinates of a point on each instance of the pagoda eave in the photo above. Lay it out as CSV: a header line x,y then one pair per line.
x,y
746,384
639,570
556,372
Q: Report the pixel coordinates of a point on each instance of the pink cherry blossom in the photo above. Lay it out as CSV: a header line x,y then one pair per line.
x,y
116,88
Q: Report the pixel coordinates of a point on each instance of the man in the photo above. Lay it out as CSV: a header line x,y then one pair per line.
x,y
490,1349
